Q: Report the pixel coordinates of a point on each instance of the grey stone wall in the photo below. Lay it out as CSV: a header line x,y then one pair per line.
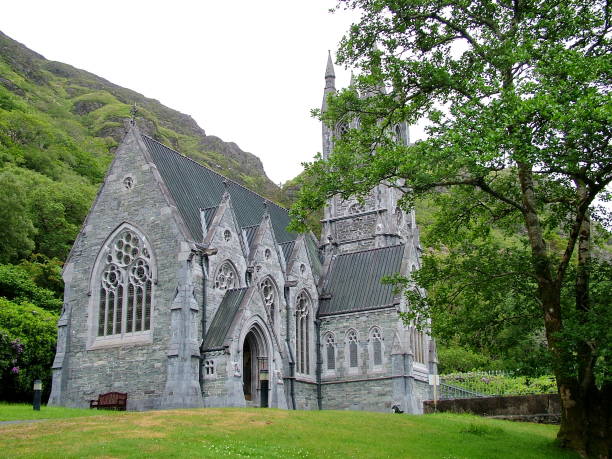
x,y
372,395
138,369
385,319
305,395
543,408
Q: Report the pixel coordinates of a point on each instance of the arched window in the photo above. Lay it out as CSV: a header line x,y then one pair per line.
x,y
269,296
341,128
376,346
302,310
330,351
398,133
226,277
351,338
417,340
126,287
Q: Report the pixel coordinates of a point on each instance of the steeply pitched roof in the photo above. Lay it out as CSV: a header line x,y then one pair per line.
x,y
194,187
223,318
314,255
353,282
287,248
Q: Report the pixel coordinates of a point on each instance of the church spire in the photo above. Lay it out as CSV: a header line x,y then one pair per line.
x,y
330,75
330,80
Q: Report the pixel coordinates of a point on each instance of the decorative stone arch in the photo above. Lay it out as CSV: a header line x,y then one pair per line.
x,y
304,311
270,296
351,342
256,354
341,128
122,289
376,347
226,276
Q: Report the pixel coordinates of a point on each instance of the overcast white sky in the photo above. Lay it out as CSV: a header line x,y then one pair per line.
x,y
246,71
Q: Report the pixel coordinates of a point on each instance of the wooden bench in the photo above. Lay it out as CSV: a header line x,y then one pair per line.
x,y
110,401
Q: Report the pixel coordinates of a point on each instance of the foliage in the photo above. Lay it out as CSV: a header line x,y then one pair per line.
x,y
499,383
27,339
280,433
459,359
59,127
518,100
17,285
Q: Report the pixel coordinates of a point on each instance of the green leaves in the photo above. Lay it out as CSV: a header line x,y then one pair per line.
x,y
518,98
33,331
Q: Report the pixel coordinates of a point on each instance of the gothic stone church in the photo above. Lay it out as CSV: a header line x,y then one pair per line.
x,y
184,289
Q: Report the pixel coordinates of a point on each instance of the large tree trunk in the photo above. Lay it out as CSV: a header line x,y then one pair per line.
x,y
587,410
586,419
586,425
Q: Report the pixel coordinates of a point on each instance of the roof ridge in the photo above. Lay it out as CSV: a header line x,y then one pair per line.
x,y
369,250
215,172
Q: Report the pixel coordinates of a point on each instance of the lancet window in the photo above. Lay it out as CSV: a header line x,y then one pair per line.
x,y
302,332
330,351
376,346
351,339
126,287
417,339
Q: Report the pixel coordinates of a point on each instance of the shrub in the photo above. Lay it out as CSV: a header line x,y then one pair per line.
x,y
27,348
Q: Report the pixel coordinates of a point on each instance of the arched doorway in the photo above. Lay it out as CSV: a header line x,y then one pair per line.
x,y
255,368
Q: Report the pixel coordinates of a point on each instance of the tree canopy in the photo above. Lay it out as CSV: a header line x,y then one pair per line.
x,y
517,95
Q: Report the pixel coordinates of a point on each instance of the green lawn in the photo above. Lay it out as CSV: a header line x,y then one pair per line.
x,y
272,433
18,411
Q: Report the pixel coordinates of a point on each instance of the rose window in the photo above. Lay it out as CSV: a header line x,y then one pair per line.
x,y
226,277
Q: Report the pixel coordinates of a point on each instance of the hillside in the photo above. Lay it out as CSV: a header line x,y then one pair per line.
x,y
59,128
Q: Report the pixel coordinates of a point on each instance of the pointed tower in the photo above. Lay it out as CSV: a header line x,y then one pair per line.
x,y
377,221
330,87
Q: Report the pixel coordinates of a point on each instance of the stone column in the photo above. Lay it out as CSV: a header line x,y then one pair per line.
x,y
403,380
182,384
58,368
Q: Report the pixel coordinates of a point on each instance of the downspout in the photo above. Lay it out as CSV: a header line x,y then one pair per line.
x,y
317,324
290,352
204,271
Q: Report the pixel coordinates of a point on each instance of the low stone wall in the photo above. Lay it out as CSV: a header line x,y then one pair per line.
x,y
542,408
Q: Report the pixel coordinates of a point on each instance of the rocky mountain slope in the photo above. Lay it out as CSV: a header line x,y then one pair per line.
x,y
92,110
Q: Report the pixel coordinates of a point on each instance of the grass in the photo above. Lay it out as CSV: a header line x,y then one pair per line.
x,y
233,432
20,411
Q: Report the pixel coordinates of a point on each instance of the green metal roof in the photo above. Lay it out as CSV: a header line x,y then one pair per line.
x,y
353,282
194,187
223,318
287,248
314,255
250,232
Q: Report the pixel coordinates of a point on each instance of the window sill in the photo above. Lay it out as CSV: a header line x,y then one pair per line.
x,y
126,340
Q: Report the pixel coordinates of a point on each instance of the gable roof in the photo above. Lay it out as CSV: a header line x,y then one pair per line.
x,y
223,318
194,187
353,282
